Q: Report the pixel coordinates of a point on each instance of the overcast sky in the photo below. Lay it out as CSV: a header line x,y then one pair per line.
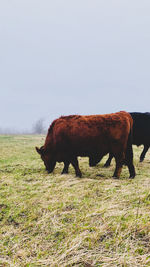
x,y
61,57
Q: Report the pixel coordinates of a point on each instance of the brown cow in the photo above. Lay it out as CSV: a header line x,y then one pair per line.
x,y
89,136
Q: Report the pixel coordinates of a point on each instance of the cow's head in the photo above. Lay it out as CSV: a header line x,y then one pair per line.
x,y
47,158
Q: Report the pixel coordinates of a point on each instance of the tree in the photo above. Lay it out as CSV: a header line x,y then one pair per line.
x,y
38,127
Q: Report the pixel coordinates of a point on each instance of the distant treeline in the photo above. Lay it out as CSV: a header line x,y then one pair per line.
x,y
38,128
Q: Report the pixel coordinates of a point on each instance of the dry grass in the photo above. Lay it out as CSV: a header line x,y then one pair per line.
x,y
61,220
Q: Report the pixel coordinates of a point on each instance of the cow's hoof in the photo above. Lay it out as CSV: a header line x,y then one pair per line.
x,y
49,171
92,164
79,175
106,165
132,176
115,177
64,172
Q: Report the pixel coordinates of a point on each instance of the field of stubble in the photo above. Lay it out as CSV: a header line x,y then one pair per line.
x,y
60,220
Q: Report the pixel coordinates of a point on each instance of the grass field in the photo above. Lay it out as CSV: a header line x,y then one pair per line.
x,y
61,220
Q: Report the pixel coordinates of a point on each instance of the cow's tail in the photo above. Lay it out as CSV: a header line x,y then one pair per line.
x,y
129,152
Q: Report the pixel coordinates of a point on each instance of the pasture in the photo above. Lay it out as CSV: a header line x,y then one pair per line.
x,y
61,220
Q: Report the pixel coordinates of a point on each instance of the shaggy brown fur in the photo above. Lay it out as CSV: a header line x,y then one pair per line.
x,y
89,136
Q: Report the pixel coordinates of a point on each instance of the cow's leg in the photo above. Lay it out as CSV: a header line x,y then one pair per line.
x,y
131,170
118,168
107,164
129,161
94,160
146,147
66,166
75,164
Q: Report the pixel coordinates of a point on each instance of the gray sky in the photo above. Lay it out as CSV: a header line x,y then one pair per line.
x,y
61,57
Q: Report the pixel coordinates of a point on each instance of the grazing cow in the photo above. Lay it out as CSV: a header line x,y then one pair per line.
x,y
89,136
141,134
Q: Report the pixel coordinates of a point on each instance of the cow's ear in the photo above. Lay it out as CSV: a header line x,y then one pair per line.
x,y
38,150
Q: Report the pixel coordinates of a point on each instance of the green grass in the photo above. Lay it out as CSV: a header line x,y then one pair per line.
x,y
61,220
